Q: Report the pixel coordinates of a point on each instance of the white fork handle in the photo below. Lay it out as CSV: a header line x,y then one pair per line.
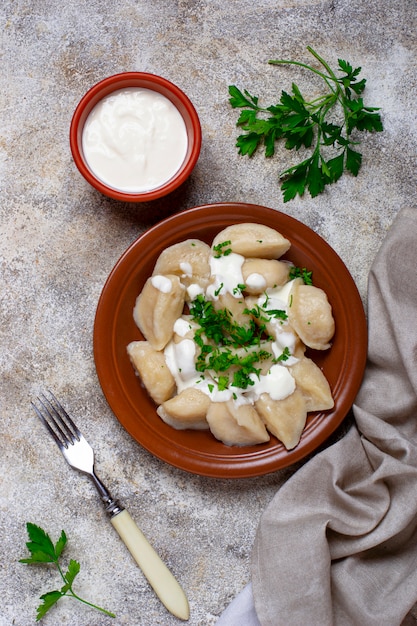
x,y
160,578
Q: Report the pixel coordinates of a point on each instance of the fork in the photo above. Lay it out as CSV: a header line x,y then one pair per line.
x,y
80,455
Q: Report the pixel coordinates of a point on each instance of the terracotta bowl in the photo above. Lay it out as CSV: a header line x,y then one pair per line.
x,y
198,451
144,81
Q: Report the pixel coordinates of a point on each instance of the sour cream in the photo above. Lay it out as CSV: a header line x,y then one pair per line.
x,y
256,281
134,140
227,274
162,283
278,383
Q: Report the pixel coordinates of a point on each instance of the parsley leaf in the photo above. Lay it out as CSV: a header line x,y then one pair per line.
x,y
43,550
298,272
284,356
302,123
48,600
222,249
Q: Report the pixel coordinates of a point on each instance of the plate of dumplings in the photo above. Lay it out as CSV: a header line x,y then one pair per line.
x,y
230,340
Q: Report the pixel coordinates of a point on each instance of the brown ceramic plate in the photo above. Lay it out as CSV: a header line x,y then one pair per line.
x,y
199,452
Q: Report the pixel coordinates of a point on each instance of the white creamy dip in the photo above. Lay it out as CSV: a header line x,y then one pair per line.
x,y
256,281
134,140
277,297
227,274
186,268
162,283
194,290
182,326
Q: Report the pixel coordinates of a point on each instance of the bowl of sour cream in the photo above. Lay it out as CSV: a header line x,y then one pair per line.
x,y
135,136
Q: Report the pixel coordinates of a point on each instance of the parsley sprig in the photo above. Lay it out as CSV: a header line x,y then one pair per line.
x,y
43,550
310,124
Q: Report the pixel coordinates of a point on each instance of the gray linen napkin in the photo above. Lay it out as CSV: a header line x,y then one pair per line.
x,y
337,545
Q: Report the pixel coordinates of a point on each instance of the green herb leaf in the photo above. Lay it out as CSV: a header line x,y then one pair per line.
x,y
43,550
239,100
277,313
353,161
60,544
73,570
284,356
298,272
48,600
305,124
222,249
40,546
238,289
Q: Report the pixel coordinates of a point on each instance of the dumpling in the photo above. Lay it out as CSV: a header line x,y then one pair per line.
x,y
186,410
313,384
261,274
235,306
188,259
152,369
157,307
252,240
285,418
236,425
310,314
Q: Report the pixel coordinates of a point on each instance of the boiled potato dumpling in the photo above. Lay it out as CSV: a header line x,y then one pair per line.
x,y
289,316
186,410
236,425
235,306
152,369
253,240
157,308
313,384
188,259
284,418
310,314
261,274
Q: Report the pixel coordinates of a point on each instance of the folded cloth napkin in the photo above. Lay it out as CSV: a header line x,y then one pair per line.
x,y
337,545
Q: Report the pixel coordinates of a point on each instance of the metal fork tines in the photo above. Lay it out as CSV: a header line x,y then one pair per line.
x,y
79,454
75,448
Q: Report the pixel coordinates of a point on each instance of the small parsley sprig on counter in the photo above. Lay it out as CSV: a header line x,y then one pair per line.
x,y
310,124
43,550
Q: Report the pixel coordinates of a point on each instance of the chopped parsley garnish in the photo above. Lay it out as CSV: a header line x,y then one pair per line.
x,y
238,289
219,249
231,351
278,313
298,272
257,312
284,356
218,290
264,314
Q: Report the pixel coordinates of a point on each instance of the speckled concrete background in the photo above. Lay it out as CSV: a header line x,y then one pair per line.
x,y
60,239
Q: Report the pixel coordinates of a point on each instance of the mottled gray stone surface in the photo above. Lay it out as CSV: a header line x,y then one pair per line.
x,y
60,239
